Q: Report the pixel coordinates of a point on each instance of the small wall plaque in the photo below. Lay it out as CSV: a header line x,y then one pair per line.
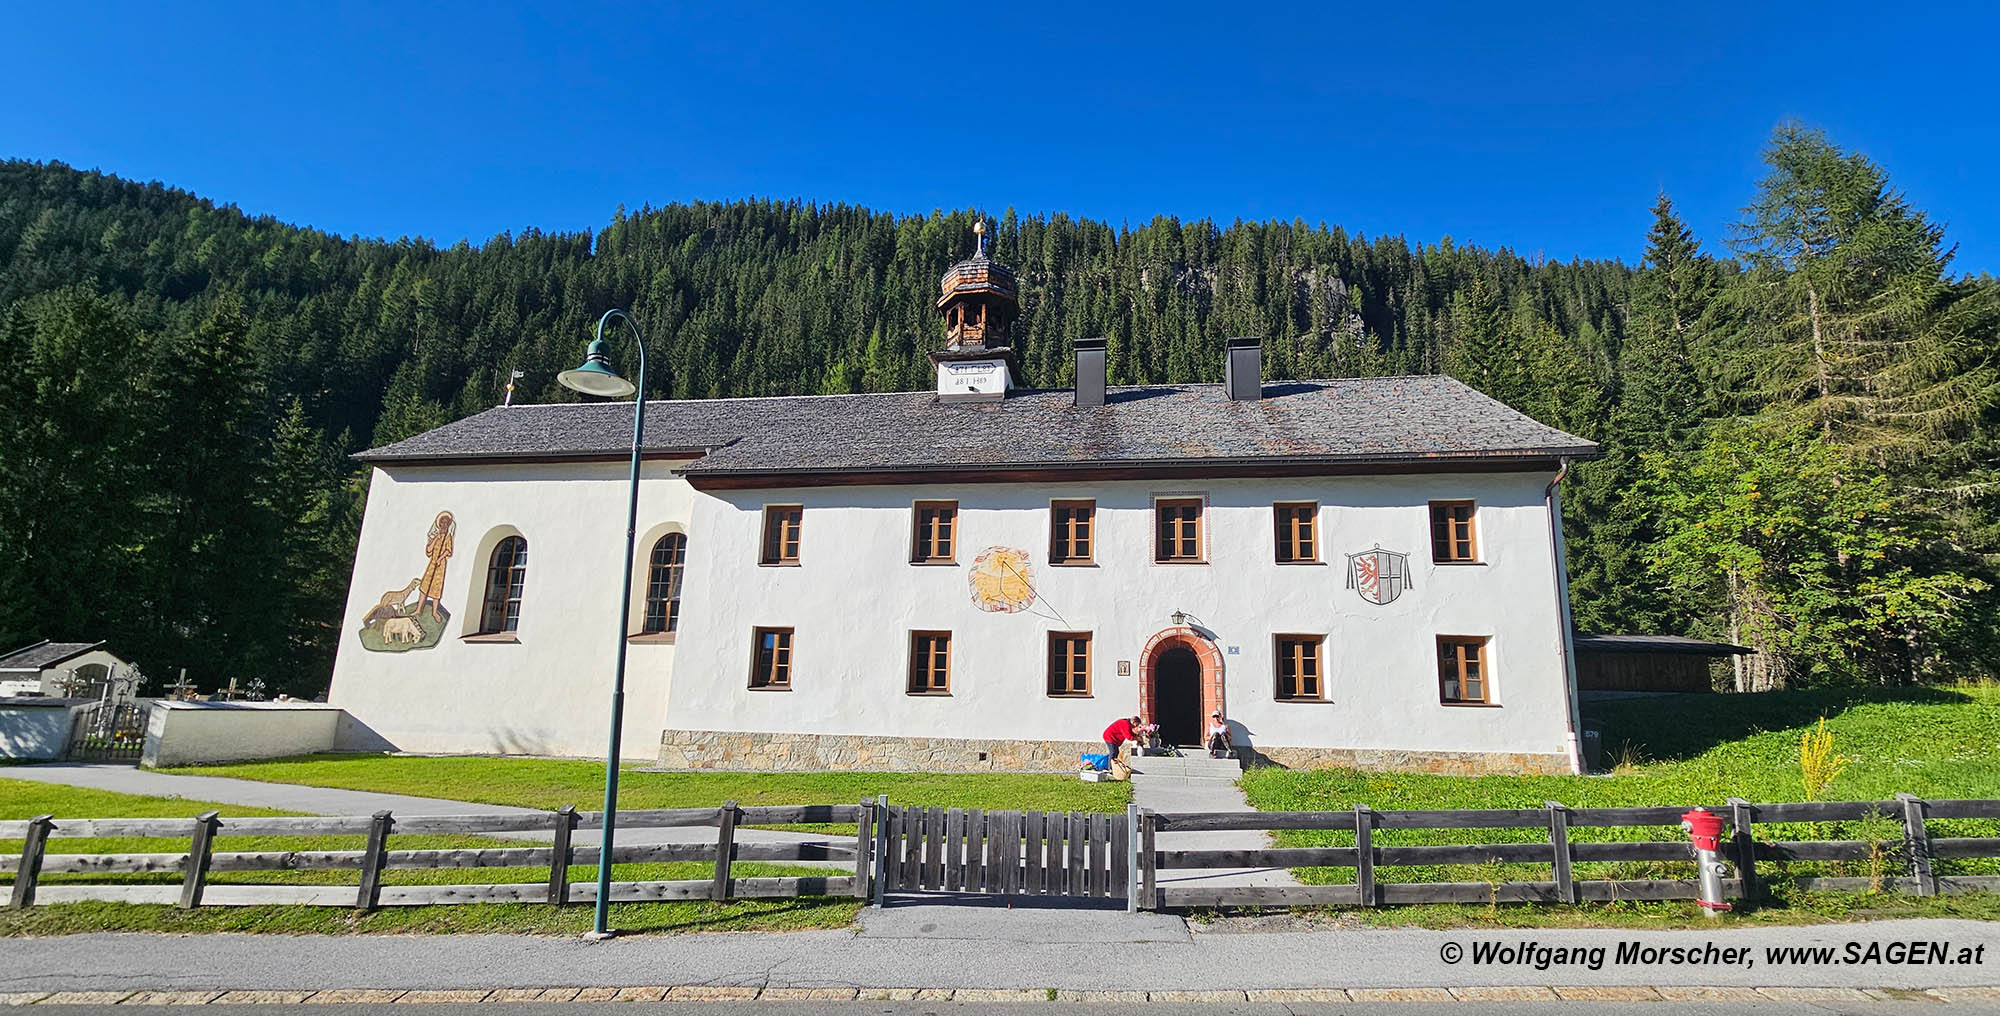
x,y
1124,668
1235,650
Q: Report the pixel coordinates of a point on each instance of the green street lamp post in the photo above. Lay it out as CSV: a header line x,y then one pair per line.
x,y
597,377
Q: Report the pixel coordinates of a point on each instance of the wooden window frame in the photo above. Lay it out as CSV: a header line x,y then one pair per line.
x,y
771,544
510,591
1484,660
1450,543
1280,655
1061,677
663,591
925,539
760,679
1285,516
924,663
1161,504
1062,532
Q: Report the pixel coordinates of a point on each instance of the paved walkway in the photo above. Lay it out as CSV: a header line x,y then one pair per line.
x,y
334,801
1021,950
1198,783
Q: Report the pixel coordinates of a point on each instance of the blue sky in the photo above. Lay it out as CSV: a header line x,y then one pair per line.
x,y
1543,128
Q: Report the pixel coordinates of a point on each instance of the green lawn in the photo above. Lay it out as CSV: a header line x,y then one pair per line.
x,y
1701,749
25,799
1689,750
548,783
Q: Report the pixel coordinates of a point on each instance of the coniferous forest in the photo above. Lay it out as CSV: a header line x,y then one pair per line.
x,y
1798,418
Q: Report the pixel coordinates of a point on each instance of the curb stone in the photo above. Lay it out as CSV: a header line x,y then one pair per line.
x,y
1505,993
751,992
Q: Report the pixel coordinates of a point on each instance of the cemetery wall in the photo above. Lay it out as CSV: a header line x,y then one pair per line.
x,y
36,728
189,733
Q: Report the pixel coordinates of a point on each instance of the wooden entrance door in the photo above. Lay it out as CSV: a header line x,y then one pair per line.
x,y
1177,696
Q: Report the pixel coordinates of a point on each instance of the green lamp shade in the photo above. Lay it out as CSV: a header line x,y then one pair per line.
x,y
596,376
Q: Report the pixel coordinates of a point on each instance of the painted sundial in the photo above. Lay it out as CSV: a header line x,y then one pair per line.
x,y
1002,580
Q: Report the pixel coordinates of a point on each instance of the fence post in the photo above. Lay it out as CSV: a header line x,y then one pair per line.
x,y
1149,860
1364,854
1131,858
1559,843
370,892
560,854
200,849
864,837
879,860
725,850
1917,840
30,870
1744,848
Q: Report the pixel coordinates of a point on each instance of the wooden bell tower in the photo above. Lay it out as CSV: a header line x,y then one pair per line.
x,y
978,301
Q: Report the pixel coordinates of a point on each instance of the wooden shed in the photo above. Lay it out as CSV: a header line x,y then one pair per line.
x,y
1647,662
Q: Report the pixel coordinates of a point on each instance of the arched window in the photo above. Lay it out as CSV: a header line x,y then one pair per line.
x,y
506,573
663,584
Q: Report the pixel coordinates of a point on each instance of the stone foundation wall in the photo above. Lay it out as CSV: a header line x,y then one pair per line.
x,y
1449,763
740,750
760,751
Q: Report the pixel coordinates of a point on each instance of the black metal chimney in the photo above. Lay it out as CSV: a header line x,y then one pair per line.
x,y
1090,372
1243,371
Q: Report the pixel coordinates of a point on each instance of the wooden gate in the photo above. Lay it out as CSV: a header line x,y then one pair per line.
x,y
1021,853
110,731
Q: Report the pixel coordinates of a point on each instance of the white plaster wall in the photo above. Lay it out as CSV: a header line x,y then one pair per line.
x,y
854,598
189,733
549,692
36,730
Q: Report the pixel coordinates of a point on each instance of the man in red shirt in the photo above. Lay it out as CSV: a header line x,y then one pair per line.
x,y
1118,733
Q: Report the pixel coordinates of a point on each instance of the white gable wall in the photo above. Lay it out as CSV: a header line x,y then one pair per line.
x,y
855,598
549,693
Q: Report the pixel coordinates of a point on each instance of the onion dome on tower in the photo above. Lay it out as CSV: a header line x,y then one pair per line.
x,y
978,301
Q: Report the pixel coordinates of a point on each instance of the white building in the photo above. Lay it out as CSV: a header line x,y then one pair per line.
x,y
66,670
1359,571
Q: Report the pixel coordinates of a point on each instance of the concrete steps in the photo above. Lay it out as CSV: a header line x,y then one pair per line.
x,y
1187,767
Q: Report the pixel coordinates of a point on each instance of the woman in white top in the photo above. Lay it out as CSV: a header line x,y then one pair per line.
x,y
1218,735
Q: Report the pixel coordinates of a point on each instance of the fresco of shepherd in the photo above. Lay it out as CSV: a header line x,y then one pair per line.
x,y
437,547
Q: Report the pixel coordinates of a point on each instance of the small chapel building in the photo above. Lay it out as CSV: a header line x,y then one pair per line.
x,y
1359,571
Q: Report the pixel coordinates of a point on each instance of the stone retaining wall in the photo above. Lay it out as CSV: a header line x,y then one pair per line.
x,y
754,750
1449,763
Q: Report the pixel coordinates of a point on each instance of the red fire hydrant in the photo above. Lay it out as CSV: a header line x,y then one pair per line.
x,y
1705,829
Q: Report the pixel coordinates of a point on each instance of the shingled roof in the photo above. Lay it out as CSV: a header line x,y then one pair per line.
x,y
43,655
1300,423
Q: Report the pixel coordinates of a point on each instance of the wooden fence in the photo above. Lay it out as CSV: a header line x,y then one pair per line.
x,y
1023,853
1911,853
202,859
908,849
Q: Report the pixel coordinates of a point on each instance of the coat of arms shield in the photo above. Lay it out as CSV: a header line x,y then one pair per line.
x,y
1378,575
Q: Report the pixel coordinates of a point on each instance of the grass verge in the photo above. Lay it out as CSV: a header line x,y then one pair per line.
x,y
1795,909
552,783
26,799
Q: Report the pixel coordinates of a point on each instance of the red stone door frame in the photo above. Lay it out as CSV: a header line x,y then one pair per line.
x,y
1210,657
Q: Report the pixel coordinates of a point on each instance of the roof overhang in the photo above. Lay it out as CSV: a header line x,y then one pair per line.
x,y
509,458
1071,472
1657,644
